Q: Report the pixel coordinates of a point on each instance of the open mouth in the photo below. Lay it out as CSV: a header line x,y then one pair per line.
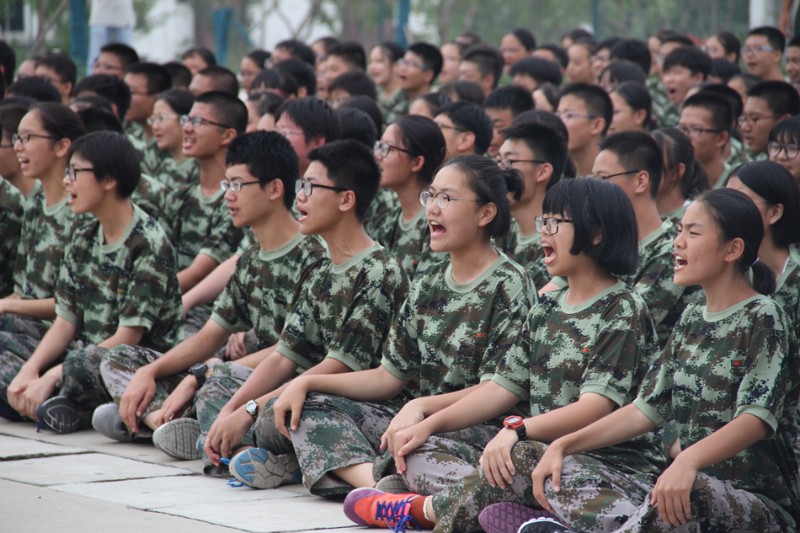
x,y
680,262
549,253
437,229
303,214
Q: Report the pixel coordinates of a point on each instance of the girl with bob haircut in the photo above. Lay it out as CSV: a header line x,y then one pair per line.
x,y
408,155
584,349
729,380
450,333
632,108
783,146
117,285
683,178
170,166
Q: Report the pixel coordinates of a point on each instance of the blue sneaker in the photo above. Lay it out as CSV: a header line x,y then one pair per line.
x,y
257,468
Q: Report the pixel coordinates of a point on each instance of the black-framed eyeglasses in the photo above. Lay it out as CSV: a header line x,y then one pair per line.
x,y
383,149
71,172
25,138
505,164
199,121
602,177
752,119
308,187
442,199
549,223
773,149
234,186
695,131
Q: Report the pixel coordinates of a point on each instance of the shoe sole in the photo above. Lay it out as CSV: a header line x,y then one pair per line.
x,y
178,438
506,517
107,422
352,499
259,469
59,414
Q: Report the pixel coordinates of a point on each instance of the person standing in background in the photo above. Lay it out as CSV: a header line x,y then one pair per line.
x,y
110,21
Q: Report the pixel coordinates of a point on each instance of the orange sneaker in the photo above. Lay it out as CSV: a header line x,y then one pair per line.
x,y
375,508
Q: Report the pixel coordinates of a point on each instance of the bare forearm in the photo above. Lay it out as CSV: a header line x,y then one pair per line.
x,y
374,384
211,286
737,435
42,309
273,372
195,349
481,404
201,267
549,426
620,426
52,345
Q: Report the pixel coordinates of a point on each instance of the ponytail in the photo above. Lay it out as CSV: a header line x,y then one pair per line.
x,y
763,278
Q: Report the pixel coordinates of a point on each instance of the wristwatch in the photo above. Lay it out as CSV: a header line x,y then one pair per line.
x,y
199,372
252,409
516,423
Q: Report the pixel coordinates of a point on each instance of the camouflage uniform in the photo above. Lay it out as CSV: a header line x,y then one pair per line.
x,y
12,207
529,253
172,173
392,106
674,217
151,196
664,112
378,211
136,135
343,313
602,346
259,294
722,181
738,155
409,241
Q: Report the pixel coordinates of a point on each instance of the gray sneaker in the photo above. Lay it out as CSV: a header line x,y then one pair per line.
x,y
106,421
178,438
393,484
260,469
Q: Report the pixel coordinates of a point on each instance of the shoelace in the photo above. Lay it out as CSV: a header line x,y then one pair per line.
x,y
400,526
393,510
232,482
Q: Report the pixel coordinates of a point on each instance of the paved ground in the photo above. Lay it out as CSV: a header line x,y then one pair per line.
x,y
85,482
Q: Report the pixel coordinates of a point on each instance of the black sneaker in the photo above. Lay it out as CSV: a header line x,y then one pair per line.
x,y
62,416
6,411
543,525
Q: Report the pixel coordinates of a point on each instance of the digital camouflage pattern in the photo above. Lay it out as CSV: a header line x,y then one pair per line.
x,y
529,253
653,282
378,211
223,383
12,208
131,283
151,196
393,106
603,346
164,168
409,242
664,111
738,154
199,224
136,135
346,311
81,381
19,337
265,286
722,365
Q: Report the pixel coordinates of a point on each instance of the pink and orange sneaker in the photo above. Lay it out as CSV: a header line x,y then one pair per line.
x,y
375,508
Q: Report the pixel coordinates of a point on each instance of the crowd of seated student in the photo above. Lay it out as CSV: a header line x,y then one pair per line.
x,y
324,268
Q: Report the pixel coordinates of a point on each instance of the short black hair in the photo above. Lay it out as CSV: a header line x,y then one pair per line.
x,y
430,55
422,137
351,53
717,105
227,109
222,79
179,100
434,101
469,116
546,118
356,125
8,60
298,49
540,69
512,97
158,78
733,97
786,131
487,59
37,87
595,98
634,50
301,71
180,75
126,54
730,43
61,64
580,34
774,36
491,184
314,116
352,166
622,70
794,41
89,100
675,37
112,157
677,150
606,44
557,51
259,57
464,90
724,69
327,43
98,119
595,206
274,78
545,143
781,97
10,117
689,57
269,156
636,150
367,105
525,37
203,52
637,97
109,87
391,49
355,84
59,120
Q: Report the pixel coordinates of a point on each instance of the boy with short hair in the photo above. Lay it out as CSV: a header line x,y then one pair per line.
x,y
465,127
114,58
418,69
706,118
586,110
532,72
59,69
345,57
684,68
483,65
767,103
793,61
502,106
146,81
762,52
112,88
214,78
259,295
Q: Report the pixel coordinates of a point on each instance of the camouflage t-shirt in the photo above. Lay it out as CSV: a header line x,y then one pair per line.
x,y
131,283
199,224
346,311
787,293
12,208
449,336
378,211
719,366
46,230
136,135
392,106
665,112
165,169
409,241
151,196
602,346
265,286
738,155
529,253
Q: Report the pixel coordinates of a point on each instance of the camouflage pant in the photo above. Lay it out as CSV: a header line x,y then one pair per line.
x,y
334,433
443,460
19,336
122,362
215,393
81,380
598,497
